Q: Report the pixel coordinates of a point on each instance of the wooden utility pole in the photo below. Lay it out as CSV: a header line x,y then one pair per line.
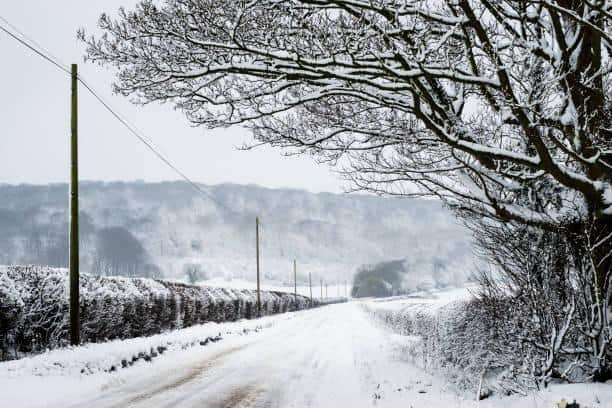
x,y
75,331
310,285
321,288
295,281
325,290
257,248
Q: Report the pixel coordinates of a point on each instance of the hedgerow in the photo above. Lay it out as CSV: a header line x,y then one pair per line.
x,y
466,343
34,312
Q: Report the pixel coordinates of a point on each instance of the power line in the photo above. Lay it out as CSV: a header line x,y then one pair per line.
x,y
49,57
148,143
32,48
64,66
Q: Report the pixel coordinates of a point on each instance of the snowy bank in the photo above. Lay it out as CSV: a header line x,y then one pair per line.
x,y
113,355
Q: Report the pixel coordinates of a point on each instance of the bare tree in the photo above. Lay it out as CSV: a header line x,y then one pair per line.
x,y
499,107
532,271
194,272
471,100
550,277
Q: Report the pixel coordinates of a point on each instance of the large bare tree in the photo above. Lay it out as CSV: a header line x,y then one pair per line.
x,y
500,107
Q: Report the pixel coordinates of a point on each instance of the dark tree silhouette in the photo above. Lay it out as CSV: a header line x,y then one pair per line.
x,y
118,252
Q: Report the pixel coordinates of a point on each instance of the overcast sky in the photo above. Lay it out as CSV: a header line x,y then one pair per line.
x,y
34,117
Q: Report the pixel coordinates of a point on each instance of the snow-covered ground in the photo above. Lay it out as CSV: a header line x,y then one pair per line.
x,y
333,290
425,300
333,356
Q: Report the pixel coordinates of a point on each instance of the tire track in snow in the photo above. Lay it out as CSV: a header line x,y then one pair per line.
x,y
242,397
195,372
196,387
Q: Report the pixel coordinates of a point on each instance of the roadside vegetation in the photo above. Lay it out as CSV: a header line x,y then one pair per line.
x,y
34,307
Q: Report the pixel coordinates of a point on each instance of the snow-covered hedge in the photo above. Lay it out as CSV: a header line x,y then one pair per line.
x,y
459,339
34,307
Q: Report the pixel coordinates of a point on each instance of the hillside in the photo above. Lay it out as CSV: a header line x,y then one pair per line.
x,y
155,229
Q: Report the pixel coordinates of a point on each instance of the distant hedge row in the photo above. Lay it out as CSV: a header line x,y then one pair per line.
x,y
34,313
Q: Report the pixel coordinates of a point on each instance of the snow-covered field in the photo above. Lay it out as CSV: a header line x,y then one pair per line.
x,y
427,301
332,291
327,357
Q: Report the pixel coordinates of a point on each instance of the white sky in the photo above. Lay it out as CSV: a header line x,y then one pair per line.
x,y
34,117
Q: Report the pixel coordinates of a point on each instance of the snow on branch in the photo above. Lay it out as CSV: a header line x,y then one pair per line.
x,y
514,94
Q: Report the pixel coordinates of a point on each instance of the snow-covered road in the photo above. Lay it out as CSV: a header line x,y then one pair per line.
x,y
327,357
